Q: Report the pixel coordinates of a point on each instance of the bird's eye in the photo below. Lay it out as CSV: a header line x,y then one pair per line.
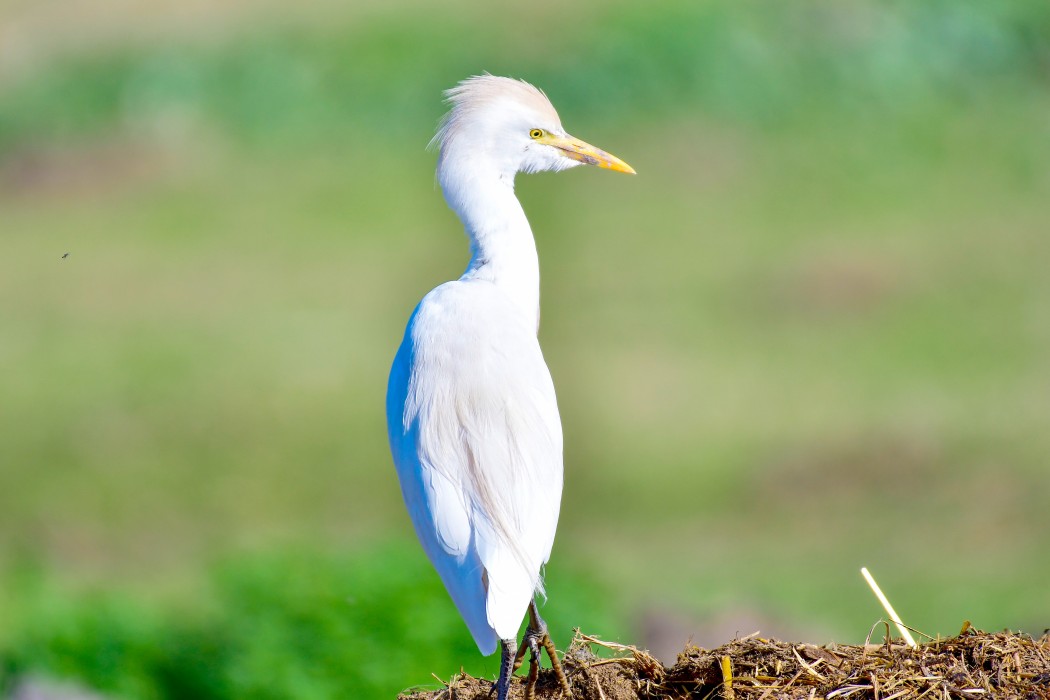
x,y
536,133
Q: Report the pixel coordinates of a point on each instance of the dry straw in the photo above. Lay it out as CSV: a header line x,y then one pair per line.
x,y
973,665
894,617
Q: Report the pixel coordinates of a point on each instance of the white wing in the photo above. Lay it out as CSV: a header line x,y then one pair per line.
x,y
476,438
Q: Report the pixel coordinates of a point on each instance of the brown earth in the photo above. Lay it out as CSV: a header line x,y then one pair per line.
x,y
973,665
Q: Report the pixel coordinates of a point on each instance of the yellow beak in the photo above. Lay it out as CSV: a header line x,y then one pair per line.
x,y
586,153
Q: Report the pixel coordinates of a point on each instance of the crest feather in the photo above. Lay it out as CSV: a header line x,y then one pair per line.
x,y
475,93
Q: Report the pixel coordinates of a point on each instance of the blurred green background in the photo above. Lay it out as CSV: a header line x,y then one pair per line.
x,y
812,334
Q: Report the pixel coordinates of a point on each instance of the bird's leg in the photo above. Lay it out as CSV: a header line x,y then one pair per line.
x,y
535,635
528,643
508,664
533,667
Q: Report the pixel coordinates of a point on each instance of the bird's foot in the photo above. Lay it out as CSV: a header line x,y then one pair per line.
x,y
559,672
536,636
533,643
536,640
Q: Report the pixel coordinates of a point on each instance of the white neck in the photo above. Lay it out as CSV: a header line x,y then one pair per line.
x,y
503,250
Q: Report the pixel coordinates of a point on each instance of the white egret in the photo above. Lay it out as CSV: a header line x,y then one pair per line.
x,y
471,411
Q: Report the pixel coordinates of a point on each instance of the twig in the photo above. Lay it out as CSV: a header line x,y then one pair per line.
x,y
727,678
811,668
889,608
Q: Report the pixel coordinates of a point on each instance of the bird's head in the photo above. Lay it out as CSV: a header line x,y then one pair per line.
x,y
509,126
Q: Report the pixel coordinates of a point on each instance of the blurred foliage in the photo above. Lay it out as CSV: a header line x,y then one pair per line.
x,y
754,61
811,335
277,625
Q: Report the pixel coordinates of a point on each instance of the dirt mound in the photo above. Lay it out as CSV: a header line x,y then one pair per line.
x,y
973,665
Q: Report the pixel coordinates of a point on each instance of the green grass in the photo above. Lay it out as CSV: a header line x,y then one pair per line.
x,y
811,335
278,625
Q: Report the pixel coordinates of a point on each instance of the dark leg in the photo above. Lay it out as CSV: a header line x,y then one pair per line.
x,y
508,649
536,635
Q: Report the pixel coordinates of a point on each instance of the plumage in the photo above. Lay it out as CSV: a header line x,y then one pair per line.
x,y
472,415
479,450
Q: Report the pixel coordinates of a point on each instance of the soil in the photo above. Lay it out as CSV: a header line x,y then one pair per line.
x,y
973,665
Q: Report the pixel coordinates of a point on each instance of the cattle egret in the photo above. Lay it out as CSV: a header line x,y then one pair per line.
x,y
471,412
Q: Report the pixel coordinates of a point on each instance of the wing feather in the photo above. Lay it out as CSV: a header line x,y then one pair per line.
x,y
476,438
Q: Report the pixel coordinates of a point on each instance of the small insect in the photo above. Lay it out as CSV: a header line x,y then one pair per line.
x,y
65,255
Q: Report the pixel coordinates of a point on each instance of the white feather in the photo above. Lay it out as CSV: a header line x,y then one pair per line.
x,y
471,411
477,442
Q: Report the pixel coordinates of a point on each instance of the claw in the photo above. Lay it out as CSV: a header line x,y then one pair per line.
x,y
534,664
536,635
552,653
536,640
